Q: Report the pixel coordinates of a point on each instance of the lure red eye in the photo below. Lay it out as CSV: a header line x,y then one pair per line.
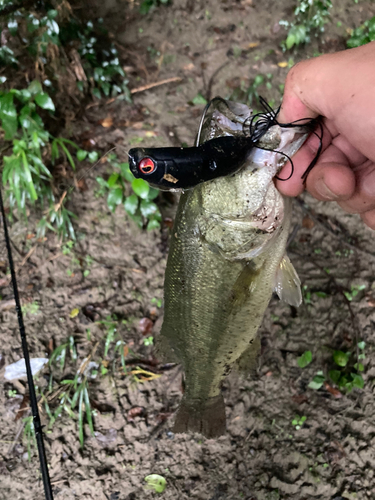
x,y
147,166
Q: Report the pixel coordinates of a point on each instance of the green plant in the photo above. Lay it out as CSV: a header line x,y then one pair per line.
x,y
25,175
104,74
134,194
305,359
343,375
156,483
147,5
310,17
249,93
157,302
354,291
298,422
31,308
362,35
29,434
148,341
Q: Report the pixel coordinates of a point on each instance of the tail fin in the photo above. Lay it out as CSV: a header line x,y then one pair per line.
x,y
207,417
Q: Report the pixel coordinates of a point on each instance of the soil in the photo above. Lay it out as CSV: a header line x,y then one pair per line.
x,y
263,456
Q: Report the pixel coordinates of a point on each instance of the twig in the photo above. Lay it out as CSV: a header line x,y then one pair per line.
x,y
155,84
23,262
84,365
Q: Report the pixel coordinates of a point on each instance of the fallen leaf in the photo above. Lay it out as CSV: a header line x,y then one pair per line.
x,y
137,125
150,133
154,313
107,122
188,67
145,326
252,45
282,64
74,313
299,398
82,185
126,350
307,223
30,236
24,407
137,411
335,392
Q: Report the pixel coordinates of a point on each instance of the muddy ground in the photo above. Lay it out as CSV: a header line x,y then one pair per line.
x,y
263,456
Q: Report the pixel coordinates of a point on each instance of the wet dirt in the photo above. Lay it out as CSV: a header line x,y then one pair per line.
x,y
263,456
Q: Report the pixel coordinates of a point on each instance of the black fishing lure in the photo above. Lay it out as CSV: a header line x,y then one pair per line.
x,y
183,168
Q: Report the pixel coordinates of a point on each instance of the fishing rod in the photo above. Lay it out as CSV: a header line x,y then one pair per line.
x,y
25,349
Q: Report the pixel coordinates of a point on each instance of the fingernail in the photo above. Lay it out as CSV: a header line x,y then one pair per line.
x,y
324,191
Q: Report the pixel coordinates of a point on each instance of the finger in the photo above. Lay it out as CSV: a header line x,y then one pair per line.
x,y
369,218
363,199
301,160
332,178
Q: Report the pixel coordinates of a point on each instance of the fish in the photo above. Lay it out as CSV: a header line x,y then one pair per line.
x,y
227,256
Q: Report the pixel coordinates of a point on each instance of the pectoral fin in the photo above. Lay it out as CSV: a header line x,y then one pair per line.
x,y
287,283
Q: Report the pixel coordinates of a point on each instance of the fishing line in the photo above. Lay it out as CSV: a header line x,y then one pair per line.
x,y
255,126
25,350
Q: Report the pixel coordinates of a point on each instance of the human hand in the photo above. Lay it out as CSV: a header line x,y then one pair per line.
x,y
339,87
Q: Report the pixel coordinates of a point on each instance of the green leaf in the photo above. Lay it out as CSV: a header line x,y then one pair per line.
x,y
126,173
81,154
290,41
44,101
8,116
131,204
153,224
93,156
156,483
88,410
148,208
153,193
358,380
141,188
359,367
80,418
334,375
113,179
305,359
199,99
114,198
51,14
28,177
361,345
317,382
96,93
341,358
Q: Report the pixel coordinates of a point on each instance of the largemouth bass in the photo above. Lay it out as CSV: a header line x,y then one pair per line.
x,y
227,256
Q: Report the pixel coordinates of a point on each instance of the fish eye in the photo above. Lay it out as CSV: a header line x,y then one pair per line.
x,y
147,166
